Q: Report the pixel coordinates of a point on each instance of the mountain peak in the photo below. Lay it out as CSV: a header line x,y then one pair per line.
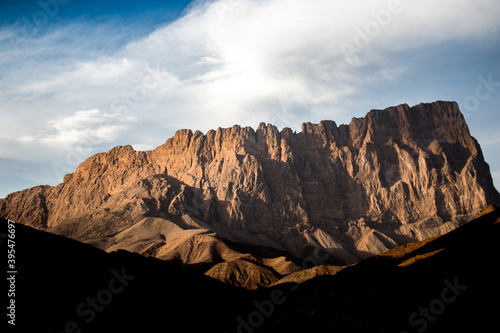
x,y
396,175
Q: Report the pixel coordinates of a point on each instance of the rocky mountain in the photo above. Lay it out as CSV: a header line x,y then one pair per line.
x,y
271,198
443,284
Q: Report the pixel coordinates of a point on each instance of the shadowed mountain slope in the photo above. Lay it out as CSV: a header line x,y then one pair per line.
x,y
61,281
445,284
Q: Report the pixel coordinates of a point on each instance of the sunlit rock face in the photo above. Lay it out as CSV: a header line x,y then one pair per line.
x,y
397,175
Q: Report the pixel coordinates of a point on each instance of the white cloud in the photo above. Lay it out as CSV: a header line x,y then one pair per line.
x,y
224,62
244,60
86,129
142,147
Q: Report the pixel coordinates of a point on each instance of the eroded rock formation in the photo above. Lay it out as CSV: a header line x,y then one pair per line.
x,y
338,193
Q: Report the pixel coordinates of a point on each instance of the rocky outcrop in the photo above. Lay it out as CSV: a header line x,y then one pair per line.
x,y
243,273
335,193
308,274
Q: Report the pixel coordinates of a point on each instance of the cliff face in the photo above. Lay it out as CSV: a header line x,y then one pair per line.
x,y
397,175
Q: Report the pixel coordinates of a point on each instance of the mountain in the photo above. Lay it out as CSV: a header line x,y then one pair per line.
x,y
268,199
63,285
444,284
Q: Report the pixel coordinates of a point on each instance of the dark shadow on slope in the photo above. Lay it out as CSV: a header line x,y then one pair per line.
x,y
62,282
451,285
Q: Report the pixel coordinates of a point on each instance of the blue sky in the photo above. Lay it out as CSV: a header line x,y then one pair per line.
x,y
154,11
79,77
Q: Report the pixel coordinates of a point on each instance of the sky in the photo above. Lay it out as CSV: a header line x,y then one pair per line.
x,y
80,77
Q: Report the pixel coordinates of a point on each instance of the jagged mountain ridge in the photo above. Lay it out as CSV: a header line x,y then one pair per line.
x,y
397,175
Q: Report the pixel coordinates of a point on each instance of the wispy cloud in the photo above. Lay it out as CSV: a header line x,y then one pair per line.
x,y
84,127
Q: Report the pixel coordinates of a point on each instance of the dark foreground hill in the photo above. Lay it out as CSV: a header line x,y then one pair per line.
x,y
444,284
66,286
